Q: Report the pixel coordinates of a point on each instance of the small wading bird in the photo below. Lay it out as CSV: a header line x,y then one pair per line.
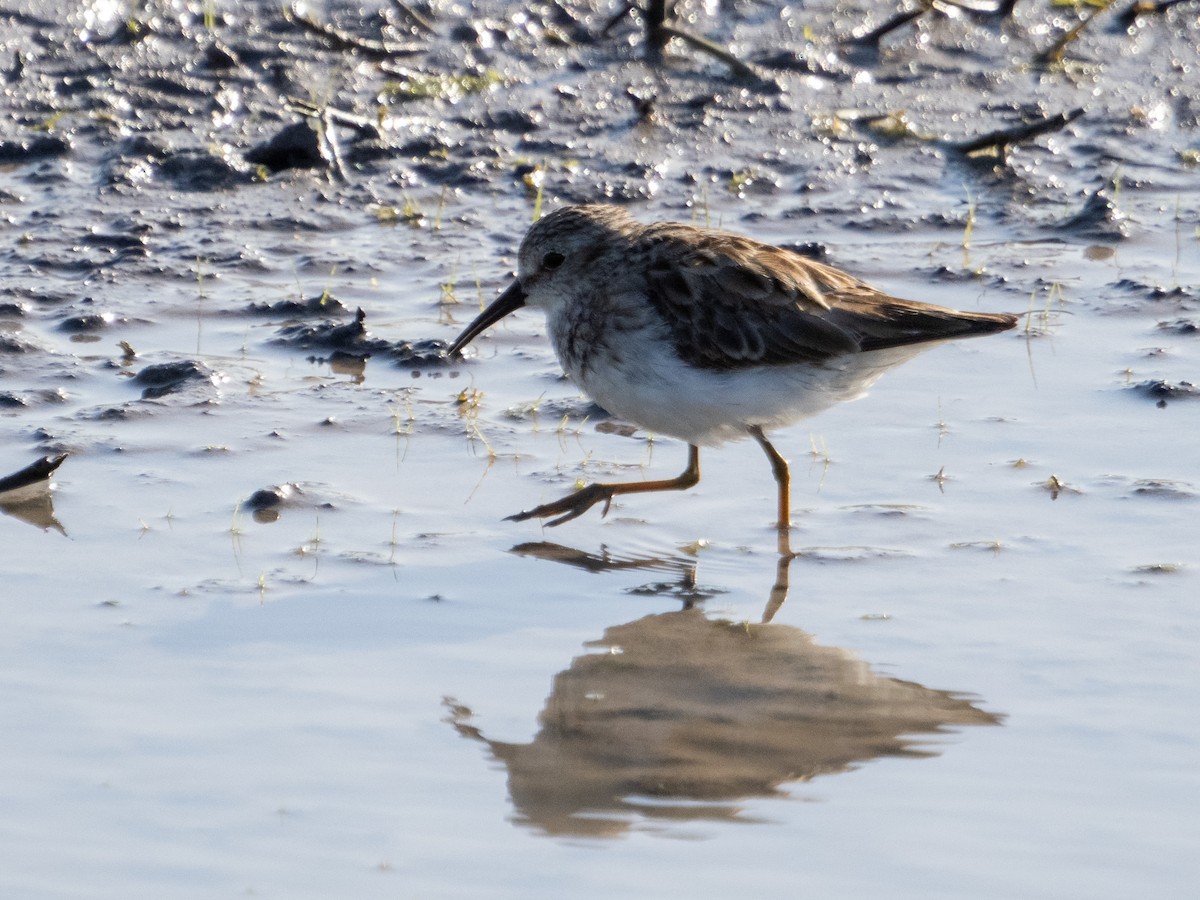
x,y
706,336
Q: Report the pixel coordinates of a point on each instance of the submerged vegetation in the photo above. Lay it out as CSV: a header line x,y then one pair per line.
x,y
413,85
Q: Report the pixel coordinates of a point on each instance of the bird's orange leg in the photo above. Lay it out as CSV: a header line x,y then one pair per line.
x,y
576,504
783,478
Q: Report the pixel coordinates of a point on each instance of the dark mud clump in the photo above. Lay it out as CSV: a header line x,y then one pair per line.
x,y
1164,490
86,323
345,337
267,504
32,149
352,341
1162,392
33,474
1188,327
323,305
29,399
419,354
1098,219
164,379
16,344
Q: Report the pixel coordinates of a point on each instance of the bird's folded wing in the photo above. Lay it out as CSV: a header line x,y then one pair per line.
x,y
879,321
732,302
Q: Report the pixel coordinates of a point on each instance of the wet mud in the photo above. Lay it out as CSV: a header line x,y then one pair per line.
x,y
144,149
236,239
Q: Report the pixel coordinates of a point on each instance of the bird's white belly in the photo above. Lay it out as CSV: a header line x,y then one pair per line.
x,y
642,380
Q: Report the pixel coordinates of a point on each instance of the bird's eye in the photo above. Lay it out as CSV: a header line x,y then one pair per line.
x,y
552,260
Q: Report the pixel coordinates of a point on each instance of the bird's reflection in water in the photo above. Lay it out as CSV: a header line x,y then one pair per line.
x,y
680,717
26,494
38,512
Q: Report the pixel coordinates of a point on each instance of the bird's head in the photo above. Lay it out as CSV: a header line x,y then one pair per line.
x,y
558,256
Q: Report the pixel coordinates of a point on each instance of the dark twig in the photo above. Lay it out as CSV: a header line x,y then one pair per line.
x,y
616,17
220,56
577,31
413,16
1000,141
341,117
1145,8
329,122
344,40
872,37
659,31
1053,55
1003,9
331,148
714,50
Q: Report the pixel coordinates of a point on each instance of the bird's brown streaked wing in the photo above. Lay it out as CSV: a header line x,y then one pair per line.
x,y
732,302
880,321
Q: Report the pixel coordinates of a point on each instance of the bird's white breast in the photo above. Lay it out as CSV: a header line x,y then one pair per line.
x,y
631,369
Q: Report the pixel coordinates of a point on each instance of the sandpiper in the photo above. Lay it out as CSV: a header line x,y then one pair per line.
x,y
706,336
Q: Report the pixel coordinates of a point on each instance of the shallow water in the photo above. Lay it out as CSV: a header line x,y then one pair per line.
x,y
980,675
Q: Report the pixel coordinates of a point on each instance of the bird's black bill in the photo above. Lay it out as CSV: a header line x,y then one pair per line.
x,y
510,301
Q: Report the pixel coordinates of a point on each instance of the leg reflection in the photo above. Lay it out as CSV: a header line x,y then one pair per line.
x,y
685,586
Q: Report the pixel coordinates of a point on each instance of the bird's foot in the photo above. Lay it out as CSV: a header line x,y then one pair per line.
x,y
573,505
